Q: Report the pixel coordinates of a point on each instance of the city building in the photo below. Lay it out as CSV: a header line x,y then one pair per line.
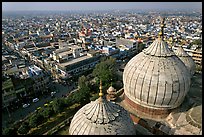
x,y
8,93
158,92
127,47
79,64
156,86
41,80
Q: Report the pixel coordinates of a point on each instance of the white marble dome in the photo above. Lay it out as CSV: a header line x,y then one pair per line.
x,y
111,89
187,60
102,117
156,78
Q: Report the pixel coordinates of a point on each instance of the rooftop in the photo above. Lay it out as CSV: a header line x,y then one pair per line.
x,y
34,68
185,120
74,61
101,117
65,53
7,84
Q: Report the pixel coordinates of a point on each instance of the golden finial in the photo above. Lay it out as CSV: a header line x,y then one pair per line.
x,y
101,92
161,33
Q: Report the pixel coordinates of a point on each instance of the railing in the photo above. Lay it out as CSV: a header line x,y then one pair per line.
x,y
119,92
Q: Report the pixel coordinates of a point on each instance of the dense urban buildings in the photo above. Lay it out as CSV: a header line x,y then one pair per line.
x,y
160,64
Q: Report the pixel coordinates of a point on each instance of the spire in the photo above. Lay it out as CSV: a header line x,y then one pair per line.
x,y
161,33
101,92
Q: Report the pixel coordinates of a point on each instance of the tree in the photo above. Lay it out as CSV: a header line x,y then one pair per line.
x,y
106,71
58,105
69,100
198,68
94,97
82,81
141,46
8,131
48,112
197,42
24,128
83,95
35,120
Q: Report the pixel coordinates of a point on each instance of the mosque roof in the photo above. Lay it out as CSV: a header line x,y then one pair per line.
x,y
156,78
111,89
187,60
102,117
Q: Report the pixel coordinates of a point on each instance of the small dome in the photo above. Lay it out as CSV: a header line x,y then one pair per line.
x,y
111,96
111,89
194,116
102,117
187,60
156,78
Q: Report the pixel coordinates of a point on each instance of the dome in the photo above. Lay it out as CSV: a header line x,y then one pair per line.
x,y
194,116
111,89
102,117
187,60
111,96
156,78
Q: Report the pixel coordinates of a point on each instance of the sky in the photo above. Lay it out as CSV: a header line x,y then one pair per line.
x,y
63,6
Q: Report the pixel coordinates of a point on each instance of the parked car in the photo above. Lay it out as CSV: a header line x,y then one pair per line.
x,y
52,93
26,105
35,100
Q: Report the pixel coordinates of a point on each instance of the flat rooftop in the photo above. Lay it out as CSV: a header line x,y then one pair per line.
x,y
74,61
65,53
7,84
35,68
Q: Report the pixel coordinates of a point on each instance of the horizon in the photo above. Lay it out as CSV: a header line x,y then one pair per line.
x,y
98,6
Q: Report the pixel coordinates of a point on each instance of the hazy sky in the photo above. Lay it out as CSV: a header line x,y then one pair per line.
x,y
17,6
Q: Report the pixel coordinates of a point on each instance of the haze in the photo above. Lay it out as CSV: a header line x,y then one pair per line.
x,y
67,6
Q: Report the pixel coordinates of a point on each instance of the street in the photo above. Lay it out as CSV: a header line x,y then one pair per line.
x,y
23,112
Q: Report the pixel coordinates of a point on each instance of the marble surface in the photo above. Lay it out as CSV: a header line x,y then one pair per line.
x,y
156,77
102,117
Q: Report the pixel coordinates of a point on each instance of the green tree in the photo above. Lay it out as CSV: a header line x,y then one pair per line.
x,y
48,112
8,131
36,120
24,128
94,97
106,71
69,100
197,42
198,68
83,95
58,105
141,46
82,81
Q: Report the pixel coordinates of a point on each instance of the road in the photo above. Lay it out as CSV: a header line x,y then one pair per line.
x,y
23,112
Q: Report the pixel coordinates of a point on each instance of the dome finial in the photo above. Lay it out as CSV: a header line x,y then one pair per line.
x,y
161,33
101,92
